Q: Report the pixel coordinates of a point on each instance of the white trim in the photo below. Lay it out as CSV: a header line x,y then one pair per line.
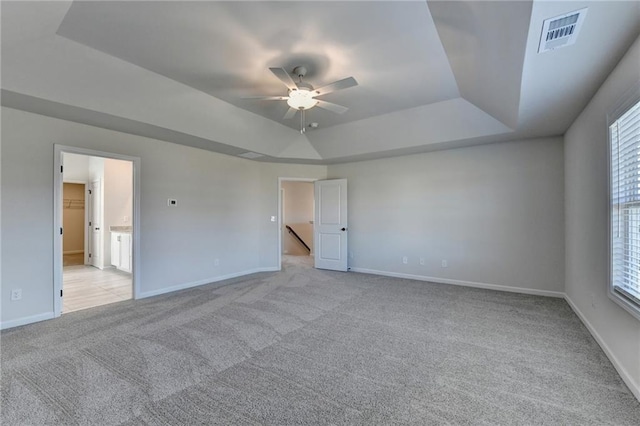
x,y
73,252
26,320
473,284
57,217
633,386
280,224
204,282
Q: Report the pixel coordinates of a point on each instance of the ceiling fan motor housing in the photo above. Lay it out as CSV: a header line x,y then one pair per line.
x,y
300,71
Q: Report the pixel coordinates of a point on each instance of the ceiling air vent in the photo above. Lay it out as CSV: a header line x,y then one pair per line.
x,y
251,155
561,31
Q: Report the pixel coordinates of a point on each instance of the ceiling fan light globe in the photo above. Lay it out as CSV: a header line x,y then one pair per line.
x,y
301,99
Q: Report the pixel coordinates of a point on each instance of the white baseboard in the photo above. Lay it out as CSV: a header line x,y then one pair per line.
x,y
191,284
626,377
73,252
26,320
438,280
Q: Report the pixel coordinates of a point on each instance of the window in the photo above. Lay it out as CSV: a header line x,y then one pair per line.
x,y
624,137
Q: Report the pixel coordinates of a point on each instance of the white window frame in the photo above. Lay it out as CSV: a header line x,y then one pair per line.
x,y
630,99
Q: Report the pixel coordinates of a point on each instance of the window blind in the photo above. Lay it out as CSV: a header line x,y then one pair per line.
x,y
625,204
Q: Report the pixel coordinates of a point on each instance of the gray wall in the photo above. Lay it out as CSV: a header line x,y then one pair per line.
x,y
493,212
224,209
586,145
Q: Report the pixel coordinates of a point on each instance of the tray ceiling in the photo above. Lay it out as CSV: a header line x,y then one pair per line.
x,y
431,74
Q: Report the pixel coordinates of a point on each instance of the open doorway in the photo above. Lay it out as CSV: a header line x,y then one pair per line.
x,y
96,211
74,217
296,220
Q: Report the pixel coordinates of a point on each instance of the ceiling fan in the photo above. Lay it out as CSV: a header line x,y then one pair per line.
x,y
302,96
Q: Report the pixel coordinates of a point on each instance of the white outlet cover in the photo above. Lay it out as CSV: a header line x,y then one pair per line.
x,y
172,202
405,260
16,294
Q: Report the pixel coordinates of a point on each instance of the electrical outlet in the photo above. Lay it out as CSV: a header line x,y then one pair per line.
x,y
216,262
16,294
444,264
171,202
125,219
405,260
422,261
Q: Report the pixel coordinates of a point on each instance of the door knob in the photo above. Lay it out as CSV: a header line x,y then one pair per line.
x,y
343,229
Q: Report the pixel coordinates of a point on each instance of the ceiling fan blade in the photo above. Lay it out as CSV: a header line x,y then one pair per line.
x,y
338,109
284,76
290,113
345,83
267,98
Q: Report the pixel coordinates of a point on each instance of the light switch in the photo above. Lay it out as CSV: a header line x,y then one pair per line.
x,y
273,218
171,202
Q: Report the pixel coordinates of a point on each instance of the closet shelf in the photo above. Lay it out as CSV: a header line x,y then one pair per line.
x,y
70,203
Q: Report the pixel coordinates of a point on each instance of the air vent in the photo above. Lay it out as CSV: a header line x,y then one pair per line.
x,y
561,31
251,155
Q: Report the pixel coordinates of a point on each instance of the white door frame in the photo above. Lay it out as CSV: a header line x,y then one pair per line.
x,y
57,217
280,212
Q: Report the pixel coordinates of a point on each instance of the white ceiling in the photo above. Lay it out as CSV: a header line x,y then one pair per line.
x,y
431,75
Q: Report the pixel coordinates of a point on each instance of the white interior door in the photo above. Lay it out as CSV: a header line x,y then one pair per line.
x,y
330,230
95,234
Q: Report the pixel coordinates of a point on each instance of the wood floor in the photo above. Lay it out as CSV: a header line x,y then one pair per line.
x,y
86,287
73,259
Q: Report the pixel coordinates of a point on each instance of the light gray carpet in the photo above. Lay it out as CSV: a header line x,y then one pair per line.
x,y
314,347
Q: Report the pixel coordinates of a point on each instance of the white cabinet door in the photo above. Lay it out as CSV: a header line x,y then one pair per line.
x,y
121,251
115,249
125,252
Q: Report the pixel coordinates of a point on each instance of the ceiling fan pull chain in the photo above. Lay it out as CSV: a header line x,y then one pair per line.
x,y
302,129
